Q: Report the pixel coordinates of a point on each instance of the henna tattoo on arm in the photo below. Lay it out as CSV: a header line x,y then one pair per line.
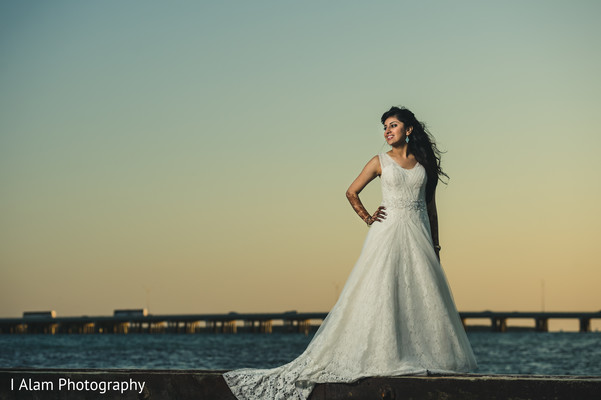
x,y
358,206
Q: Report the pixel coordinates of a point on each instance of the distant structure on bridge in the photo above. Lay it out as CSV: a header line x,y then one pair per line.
x,y
137,312
140,321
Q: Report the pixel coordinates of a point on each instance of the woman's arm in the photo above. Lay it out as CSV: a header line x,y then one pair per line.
x,y
370,171
433,217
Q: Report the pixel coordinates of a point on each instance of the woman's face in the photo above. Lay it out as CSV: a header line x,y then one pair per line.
x,y
395,131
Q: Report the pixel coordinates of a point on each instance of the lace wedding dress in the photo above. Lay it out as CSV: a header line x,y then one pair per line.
x,y
395,315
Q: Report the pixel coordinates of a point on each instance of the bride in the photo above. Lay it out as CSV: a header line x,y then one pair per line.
x,y
396,314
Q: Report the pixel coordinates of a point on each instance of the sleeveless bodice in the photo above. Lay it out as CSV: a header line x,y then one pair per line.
x,y
402,189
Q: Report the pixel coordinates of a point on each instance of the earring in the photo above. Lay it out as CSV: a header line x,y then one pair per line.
x,y
407,139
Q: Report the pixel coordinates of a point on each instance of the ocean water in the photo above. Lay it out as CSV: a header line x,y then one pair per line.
x,y
552,353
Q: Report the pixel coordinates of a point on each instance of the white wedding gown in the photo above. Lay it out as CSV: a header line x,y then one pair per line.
x,y
395,315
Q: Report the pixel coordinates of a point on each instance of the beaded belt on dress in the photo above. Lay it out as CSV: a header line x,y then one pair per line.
x,y
417,205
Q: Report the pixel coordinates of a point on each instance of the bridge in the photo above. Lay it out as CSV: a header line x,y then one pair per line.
x,y
498,320
289,322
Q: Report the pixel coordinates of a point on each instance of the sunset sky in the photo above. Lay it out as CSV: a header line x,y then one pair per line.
x,y
193,157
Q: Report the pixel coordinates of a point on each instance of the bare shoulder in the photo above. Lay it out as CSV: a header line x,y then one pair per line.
x,y
373,166
371,170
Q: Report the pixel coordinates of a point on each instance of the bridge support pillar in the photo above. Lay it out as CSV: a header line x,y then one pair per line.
x,y
249,326
88,328
192,327
541,325
304,326
19,328
499,324
289,325
266,326
585,325
229,327
122,327
159,327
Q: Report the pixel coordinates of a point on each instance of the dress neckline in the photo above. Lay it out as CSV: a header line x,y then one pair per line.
x,y
400,166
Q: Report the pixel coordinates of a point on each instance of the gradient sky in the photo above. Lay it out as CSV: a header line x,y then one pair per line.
x,y
193,157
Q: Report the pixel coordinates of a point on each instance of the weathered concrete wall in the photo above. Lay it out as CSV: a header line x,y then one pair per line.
x,y
199,385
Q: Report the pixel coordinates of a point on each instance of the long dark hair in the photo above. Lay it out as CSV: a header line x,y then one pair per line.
x,y
422,146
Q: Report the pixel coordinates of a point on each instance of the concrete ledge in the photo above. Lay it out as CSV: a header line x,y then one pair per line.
x,y
67,384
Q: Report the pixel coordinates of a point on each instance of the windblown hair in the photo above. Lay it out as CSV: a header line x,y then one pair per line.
x,y
422,146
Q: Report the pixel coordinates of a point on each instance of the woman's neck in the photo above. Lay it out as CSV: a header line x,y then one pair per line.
x,y
400,151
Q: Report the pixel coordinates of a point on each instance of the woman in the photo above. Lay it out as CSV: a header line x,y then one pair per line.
x,y
395,315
